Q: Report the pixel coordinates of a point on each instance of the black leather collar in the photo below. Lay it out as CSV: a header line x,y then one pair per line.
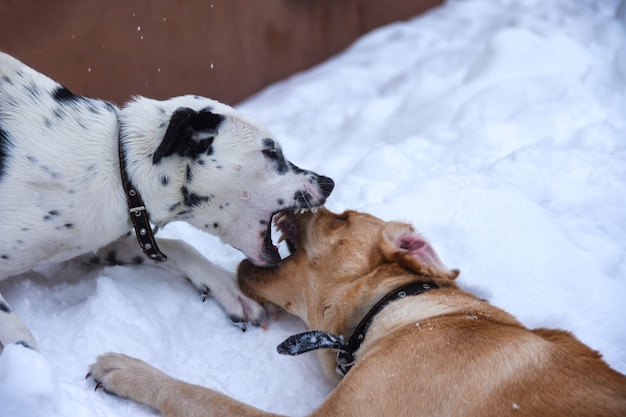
x,y
139,215
346,355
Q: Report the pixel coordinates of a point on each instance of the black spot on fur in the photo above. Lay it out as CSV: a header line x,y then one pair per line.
x,y
33,90
59,114
174,207
53,175
192,199
216,225
4,257
5,145
4,307
110,107
51,214
183,213
281,202
189,173
297,169
137,260
304,199
95,260
93,108
6,79
69,225
164,180
189,134
112,258
63,95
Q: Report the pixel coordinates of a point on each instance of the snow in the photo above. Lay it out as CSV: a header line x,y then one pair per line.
x,y
495,126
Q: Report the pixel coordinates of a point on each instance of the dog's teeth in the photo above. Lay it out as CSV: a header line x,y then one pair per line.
x,y
281,238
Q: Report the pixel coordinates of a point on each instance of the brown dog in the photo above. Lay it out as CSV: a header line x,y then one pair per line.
x,y
427,349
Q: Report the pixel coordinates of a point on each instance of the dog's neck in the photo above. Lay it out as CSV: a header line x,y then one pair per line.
x,y
138,213
419,313
346,356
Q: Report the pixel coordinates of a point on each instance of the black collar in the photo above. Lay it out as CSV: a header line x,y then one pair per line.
x,y
138,214
346,357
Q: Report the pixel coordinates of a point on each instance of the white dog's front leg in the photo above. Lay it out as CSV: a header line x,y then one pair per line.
x,y
213,280
12,328
183,259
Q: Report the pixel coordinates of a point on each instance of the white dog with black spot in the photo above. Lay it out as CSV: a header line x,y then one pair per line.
x,y
76,174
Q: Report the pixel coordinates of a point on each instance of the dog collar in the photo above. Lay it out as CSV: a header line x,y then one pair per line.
x,y
346,355
139,215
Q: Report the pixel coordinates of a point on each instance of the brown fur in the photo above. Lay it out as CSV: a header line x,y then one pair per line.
x,y
441,353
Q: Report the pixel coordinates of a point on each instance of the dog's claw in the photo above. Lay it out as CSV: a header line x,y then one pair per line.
x,y
242,324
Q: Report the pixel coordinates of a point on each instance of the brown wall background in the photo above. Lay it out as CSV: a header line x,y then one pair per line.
x,y
224,49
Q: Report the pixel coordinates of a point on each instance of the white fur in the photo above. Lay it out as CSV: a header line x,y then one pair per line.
x,y
61,193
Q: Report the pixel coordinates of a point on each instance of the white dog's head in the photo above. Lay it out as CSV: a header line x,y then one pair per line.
x,y
198,160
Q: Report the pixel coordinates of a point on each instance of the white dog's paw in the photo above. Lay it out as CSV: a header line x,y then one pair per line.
x,y
240,309
122,375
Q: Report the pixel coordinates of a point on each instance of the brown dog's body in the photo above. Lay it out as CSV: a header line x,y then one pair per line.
x,y
444,352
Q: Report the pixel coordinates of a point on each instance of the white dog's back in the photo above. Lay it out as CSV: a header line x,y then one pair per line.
x,y
63,140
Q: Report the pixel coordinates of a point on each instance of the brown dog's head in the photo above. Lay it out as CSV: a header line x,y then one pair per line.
x,y
340,265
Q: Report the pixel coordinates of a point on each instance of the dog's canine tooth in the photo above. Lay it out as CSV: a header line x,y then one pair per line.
x,y
281,238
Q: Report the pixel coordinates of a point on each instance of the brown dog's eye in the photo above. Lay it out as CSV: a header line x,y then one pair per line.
x,y
339,221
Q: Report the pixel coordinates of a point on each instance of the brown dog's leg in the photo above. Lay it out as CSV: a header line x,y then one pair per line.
x,y
136,380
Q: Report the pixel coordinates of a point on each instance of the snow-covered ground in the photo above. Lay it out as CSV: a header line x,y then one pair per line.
x,y
497,127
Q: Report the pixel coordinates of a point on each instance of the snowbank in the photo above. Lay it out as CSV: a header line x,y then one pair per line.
x,y
495,126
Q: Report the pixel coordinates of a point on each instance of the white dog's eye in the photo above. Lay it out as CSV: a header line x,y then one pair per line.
x,y
274,154
270,153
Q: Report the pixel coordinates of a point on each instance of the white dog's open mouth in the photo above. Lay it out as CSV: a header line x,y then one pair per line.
x,y
289,234
306,201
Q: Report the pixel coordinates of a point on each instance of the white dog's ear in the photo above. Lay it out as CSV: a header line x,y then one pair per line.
x,y
402,244
190,133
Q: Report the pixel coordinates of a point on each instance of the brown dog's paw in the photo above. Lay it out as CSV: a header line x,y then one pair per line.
x,y
120,374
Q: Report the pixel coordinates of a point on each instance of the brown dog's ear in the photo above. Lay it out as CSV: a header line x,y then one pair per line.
x,y
402,244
